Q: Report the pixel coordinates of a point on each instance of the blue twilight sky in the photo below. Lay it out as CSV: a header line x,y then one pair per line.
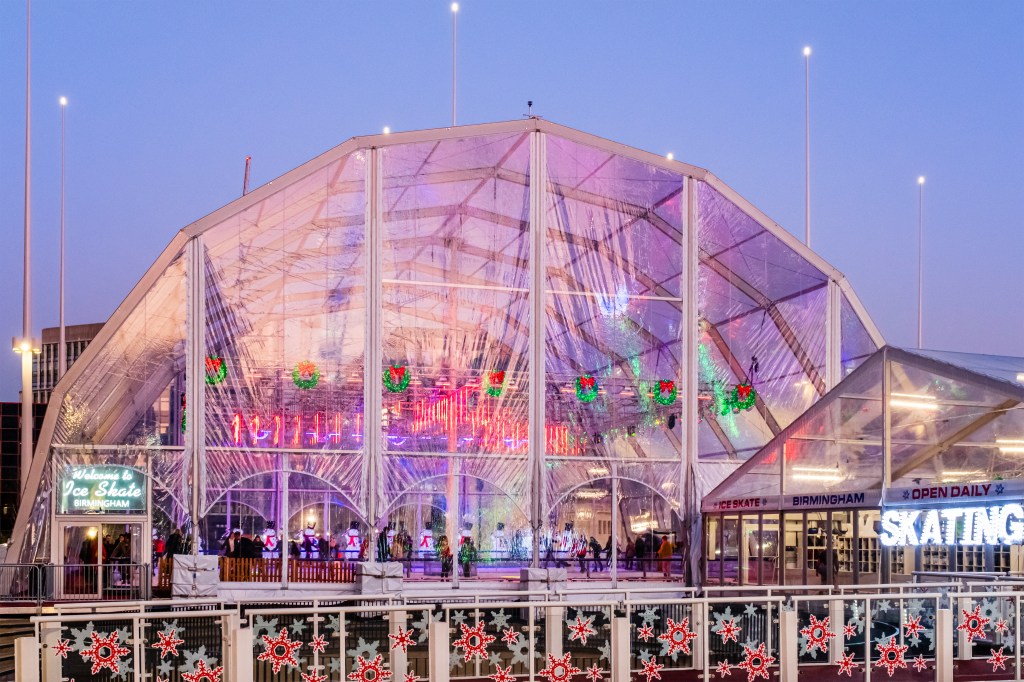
x,y
167,98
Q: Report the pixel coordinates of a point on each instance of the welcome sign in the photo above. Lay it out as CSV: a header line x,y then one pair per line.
x,y
105,489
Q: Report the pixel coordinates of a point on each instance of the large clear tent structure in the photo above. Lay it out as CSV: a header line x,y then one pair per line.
x,y
909,433
504,331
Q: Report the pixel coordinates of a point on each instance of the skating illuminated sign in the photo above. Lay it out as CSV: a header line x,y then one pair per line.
x,y
995,525
109,489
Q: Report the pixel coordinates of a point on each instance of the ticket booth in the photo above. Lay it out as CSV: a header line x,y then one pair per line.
x,y
101,533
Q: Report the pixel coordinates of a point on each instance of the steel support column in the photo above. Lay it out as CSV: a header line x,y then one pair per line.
x,y
538,300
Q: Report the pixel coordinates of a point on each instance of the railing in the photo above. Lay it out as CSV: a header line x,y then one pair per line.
x,y
937,635
39,583
268,570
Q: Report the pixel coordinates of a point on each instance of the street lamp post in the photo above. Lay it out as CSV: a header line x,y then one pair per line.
x,y
920,260
24,345
62,346
807,145
455,13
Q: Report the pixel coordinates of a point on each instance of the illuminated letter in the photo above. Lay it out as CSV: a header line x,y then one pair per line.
x,y
1012,524
950,517
891,532
931,532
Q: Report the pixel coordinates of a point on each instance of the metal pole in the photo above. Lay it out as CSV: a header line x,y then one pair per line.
x,y
26,327
245,178
455,12
62,348
920,261
807,146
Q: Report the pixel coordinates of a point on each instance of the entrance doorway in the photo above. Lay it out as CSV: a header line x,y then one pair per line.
x,y
102,559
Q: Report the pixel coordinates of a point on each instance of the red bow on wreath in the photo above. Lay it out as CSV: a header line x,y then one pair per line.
x,y
586,383
213,365
397,374
497,378
666,386
743,391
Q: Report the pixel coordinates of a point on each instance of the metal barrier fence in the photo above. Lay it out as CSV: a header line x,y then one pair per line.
x,y
41,583
918,632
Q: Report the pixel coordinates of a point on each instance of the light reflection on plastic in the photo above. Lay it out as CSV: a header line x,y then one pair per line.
x,y
994,525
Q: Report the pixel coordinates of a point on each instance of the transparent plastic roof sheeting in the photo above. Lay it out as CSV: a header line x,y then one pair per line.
x,y
287,325
948,425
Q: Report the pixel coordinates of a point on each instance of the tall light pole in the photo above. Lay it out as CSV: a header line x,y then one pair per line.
x,y
807,145
62,346
455,13
25,345
920,259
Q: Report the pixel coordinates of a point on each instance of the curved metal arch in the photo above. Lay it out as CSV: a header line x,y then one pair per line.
x,y
563,496
330,485
410,489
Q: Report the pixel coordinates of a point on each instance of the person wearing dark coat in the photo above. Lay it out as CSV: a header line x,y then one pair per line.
x,y
174,543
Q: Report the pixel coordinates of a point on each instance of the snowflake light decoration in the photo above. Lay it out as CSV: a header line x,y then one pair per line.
x,y
582,629
168,644
509,636
755,662
403,639
998,660
645,633
313,676
849,631
271,645
678,636
61,648
502,675
724,669
892,656
204,673
369,671
411,677
318,644
913,627
105,652
651,669
847,664
474,640
919,663
728,630
558,669
1002,627
973,624
818,634
594,673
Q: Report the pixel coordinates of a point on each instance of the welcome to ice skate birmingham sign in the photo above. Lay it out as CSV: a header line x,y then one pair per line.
x,y
112,489
993,525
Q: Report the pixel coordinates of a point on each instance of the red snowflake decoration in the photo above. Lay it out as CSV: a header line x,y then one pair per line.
x,y
581,630
411,677
913,627
892,656
204,673
724,669
369,671
645,633
594,673
728,630
287,647
100,660
998,660
319,643
818,634
559,669
474,640
1002,627
509,636
651,669
502,675
168,644
678,636
313,677
61,648
756,662
919,663
973,624
849,631
847,664
402,639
